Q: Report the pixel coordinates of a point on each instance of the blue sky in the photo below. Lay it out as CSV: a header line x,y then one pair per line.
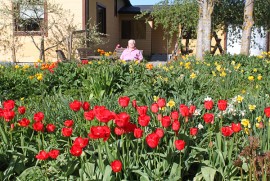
x,y
144,2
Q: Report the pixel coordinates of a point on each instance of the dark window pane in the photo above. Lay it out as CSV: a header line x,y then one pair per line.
x,y
132,29
101,19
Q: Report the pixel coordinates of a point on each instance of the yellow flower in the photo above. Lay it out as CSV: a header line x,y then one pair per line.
x,y
163,108
187,65
171,67
259,118
22,98
181,63
31,77
246,131
245,123
107,54
243,91
39,77
251,78
239,98
156,98
39,60
165,79
26,67
259,77
17,66
208,64
1,66
223,74
166,69
90,62
218,68
251,107
257,125
233,62
237,66
214,73
171,104
149,66
260,56
99,62
193,75
255,70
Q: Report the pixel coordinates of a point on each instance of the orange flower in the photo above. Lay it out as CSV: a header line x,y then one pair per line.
x,y
149,66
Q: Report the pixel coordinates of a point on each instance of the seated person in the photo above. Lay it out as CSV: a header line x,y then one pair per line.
x,y
131,53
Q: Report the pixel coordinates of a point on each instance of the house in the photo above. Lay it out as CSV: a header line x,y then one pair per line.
x,y
115,18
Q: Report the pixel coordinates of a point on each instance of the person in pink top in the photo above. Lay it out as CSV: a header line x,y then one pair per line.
x,y
131,53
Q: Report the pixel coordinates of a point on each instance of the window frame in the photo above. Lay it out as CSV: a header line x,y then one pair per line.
x,y
104,26
31,33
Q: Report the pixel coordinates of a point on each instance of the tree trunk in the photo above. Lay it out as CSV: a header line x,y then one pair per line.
x,y
199,47
206,39
247,26
42,50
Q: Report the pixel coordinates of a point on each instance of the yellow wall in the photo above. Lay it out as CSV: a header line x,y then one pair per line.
x,y
112,23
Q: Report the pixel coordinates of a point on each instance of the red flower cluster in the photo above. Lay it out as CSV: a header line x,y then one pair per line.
x,y
229,130
43,155
97,132
78,145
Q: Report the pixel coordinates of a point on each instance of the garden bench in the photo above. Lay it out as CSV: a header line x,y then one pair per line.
x,y
118,52
85,53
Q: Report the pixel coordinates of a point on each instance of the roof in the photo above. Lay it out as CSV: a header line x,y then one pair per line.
x,y
135,9
127,3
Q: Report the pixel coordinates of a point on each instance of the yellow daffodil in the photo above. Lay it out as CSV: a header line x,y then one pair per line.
x,y
171,104
245,123
259,77
246,131
239,99
187,65
90,62
237,66
193,76
214,73
17,66
260,56
181,63
162,108
259,118
255,70
243,91
223,74
166,69
218,67
233,63
251,107
31,77
156,98
22,98
251,78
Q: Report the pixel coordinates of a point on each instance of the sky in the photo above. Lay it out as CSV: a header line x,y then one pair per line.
x,y
144,2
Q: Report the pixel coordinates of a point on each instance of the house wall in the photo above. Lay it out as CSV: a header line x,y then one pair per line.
x,y
27,51
142,44
112,23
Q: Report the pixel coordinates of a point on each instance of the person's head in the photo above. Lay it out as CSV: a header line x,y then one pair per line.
x,y
131,43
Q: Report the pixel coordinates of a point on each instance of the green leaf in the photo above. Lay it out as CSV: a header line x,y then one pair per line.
x,y
143,175
4,135
175,174
107,174
208,173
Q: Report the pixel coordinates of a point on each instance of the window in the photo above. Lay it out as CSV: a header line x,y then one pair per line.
x,y
30,18
132,29
101,18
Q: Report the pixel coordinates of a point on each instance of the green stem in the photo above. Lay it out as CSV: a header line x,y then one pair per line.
x,y
100,159
180,164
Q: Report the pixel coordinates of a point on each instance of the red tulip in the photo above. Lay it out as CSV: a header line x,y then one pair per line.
x,y
24,122
180,144
97,132
175,115
76,150
236,127
226,131
134,104
21,109
267,112
86,106
193,131
154,108
89,115
8,115
184,110
176,125
42,155
9,104
208,118
222,105
81,142
159,132
152,140
75,105
129,127
144,120
142,110
123,101
38,126
192,109
104,115
69,123
50,128
138,132
208,104
54,153
67,132
119,131
166,121
122,119
39,116
116,166
161,102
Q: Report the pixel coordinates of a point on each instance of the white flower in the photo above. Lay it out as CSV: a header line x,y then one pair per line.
x,y
208,99
200,126
242,113
197,112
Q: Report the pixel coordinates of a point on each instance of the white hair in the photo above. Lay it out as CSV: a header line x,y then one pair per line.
x,y
132,41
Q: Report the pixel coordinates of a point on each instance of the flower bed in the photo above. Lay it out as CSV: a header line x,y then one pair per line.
x,y
111,121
